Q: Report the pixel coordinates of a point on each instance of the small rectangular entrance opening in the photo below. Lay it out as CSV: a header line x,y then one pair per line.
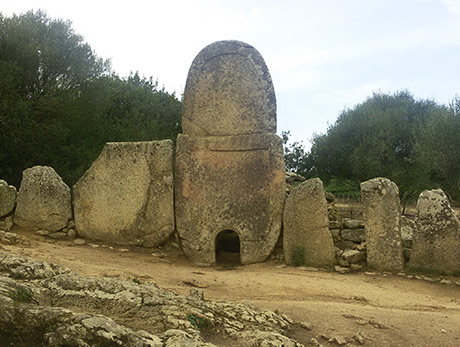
x,y
228,248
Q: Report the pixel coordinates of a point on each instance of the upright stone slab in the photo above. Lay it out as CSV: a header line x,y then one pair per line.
x,y
229,91
305,226
229,161
382,218
436,243
43,200
7,198
126,196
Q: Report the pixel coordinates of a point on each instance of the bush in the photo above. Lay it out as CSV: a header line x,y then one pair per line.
x,y
298,256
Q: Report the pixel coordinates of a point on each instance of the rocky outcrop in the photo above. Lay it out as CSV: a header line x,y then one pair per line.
x,y
7,198
382,217
436,244
306,237
43,200
126,196
42,305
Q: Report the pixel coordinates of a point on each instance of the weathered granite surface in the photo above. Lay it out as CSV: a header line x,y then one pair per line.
x,y
43,200
48,305
7,198
126,196
305,226
382,217
436,238
229,162
229,91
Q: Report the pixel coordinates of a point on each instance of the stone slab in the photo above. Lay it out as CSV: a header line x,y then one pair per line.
x,y
382,218
436,242
43,200
229,183
126,196
305,225
7,198
229,91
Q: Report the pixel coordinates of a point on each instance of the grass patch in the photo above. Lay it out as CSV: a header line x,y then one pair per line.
x,y
137,281
298,256
22,294
198,322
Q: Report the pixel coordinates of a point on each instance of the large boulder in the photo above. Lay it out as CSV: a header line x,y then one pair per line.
x,y
43,200
382,217
305,226
126,196
7,198
436,243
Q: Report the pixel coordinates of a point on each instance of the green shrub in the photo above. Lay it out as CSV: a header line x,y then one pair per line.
x,y
22,294
198,322
298,256
137,281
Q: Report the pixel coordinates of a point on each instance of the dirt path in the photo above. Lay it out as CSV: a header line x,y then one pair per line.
x,y
383,310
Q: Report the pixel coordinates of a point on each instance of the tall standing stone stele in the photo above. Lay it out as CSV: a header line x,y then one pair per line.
x,y
382,218
229,161
436,246
306,236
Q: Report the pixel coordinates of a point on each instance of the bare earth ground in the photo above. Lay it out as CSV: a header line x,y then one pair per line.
x,y
386,310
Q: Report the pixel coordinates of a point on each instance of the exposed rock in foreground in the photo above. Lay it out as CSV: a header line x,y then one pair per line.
x,y
45,304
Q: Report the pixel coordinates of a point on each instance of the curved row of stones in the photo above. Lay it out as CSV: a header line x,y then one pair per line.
x,y
385,238
228,176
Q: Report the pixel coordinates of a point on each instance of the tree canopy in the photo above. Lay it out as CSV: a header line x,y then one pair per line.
x,y
60,102
409,141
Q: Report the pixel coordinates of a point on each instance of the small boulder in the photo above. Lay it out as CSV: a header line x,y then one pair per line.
x,y
7,198
42,232
407,231
6,223
349,223
355,235
58,235
343,245
342,270
292,177
353,256
43,200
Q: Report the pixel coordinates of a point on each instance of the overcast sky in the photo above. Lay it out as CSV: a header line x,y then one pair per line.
x,y
323,55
